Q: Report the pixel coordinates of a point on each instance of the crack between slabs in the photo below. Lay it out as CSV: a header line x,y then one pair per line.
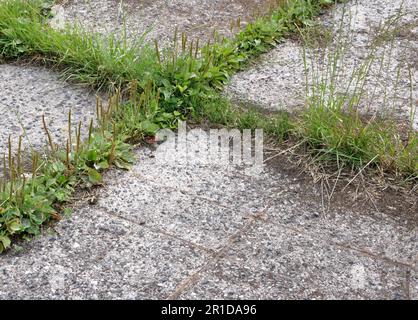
x,y
191,281
298,230
212,252
218,255
374,256
348,247
159,231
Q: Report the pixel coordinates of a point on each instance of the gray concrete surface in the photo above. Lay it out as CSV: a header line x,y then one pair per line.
x,y
277,81
200,231
159,18
27,93
205,232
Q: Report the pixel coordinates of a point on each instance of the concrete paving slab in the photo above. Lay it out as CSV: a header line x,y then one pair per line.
x,y
229,186
373,232
270,262
194,219
27,93
284,199
96,256
233,187
160,18
288,203
278,80
150,237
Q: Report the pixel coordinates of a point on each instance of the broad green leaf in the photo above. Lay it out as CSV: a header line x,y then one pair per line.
x,y
61,195
26,223
4,243
101,165
92,155
38,217
58,166
14,226
94,176
149,127
122,164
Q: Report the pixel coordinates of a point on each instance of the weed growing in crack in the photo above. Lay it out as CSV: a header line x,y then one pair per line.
x,y
332,126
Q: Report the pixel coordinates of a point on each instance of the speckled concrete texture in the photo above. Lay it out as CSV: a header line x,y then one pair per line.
x,y
96,256
170,230
206,232
160,18
276,263
278,80
27,93
414,285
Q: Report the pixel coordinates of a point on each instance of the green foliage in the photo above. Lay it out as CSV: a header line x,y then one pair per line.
x,y
29,201
219,110
81,56
163,88
337,135
332,127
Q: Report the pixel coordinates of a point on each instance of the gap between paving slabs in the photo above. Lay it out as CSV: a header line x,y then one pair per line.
x,y
96,256
199,19
277,263
201,203
88,224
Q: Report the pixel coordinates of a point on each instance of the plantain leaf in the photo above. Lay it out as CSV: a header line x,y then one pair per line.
x,y
94,176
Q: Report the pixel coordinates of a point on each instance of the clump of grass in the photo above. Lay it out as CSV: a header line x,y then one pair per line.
x,y
219,110
111,63
346,138
81,56
331,124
